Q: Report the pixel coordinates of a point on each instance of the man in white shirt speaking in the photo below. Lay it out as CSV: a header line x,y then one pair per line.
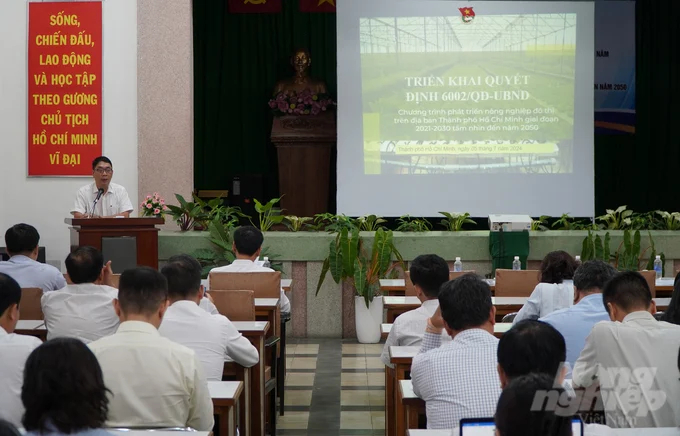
x,y
427,272
14,350
102,198
154,382
213,337
247,247
84,309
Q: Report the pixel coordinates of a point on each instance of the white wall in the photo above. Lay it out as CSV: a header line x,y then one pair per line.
x,y
45,202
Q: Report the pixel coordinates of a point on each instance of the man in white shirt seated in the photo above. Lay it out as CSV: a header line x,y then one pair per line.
x,y
247,247
459,379
154,382
632,358
102,198
84,309
21,243
427,272
14,350
213,337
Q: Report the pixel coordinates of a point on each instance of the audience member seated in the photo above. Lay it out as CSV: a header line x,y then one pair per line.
x,y
631,359
8,429
247,247
428,272
14,350
213,337
531,346
672,314
556,289
459,380
154,382
516,414
576,322
21,242
64,391
84,309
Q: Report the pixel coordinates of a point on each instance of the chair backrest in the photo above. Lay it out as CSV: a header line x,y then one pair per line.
x,y
510,283
237,305
650,277
411,290
29,307
265,284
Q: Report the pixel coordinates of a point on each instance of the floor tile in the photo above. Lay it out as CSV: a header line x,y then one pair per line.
x,y
354,362
300,379
374,348
374,363
378,420
376,380
355,420
354,379
289,362
307,349
353,349
303,363
298,398
290,349
354,398
376,398
293,420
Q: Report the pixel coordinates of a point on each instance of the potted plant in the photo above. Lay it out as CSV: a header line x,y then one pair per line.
x,y
349,260
187,214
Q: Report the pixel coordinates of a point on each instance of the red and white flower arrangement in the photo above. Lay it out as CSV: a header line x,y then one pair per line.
x,y
302,103
154,205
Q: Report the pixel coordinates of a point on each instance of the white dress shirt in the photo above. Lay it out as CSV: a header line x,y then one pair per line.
x,y
115,201
14,350
636,365
409,327
154,381
208,306
213,337
457,380
84,311
33,274
547,298
245,265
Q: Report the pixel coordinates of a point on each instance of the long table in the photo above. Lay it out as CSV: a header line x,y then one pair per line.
x,y
662,431
286,284
498,329
225,397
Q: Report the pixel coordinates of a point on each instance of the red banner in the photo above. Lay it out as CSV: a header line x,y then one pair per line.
x,y
254,6
64,87
317,5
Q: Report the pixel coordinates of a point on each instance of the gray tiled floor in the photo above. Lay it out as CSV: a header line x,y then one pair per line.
x,y
334,388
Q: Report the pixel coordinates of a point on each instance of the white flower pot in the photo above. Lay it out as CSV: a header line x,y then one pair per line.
x,y
368,321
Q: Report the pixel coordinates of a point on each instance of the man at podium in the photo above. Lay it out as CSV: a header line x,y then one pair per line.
x,y
102,198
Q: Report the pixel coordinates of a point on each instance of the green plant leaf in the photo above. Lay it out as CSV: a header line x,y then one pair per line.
x,y
324,271
360,281
607,251
335,261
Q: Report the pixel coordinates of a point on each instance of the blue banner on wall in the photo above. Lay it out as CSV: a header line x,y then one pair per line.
x,y
615,67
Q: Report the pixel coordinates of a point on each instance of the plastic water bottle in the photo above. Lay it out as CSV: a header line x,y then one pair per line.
x,y
458,265
266,263
578,260
658,267
516,264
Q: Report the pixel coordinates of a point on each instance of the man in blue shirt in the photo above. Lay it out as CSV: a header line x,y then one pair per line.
x,y
576,322
21,242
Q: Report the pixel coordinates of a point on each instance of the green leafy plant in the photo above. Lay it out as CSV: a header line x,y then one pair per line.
x,y
349,260
216,210
407,223
619,219
596,248
645,221
628,254
453,222
187,214
369,223
540,224
669,220
333,223
296,223
268,215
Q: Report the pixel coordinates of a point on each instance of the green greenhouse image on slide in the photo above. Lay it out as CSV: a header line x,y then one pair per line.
x,y
492,95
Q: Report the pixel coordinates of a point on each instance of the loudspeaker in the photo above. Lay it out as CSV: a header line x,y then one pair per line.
x,y
244,188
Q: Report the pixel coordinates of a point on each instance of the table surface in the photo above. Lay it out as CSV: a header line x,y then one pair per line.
x,y
400,283
251,326
285,283
496,301
224,389
156,432
407,389
30,324
266,302
665,431
499,327
403,352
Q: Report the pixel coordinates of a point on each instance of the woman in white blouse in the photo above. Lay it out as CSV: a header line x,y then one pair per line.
x,y
556,289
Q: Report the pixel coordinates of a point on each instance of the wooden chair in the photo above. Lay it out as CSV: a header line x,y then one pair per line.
x,y
411,290
264,284
237,305
29,307
650,277
511,283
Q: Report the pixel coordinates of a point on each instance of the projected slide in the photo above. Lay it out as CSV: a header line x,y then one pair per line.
x,y
492,94
481,107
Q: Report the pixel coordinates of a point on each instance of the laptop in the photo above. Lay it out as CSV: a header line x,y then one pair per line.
x,y
486,427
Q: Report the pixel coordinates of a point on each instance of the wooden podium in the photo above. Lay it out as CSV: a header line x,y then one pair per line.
x,y
90,231
304,145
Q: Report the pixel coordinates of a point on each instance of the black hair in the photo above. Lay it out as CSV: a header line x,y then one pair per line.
x,y
429,272
84,264
63,388
142,291
248,240
557,266
465,302
8,429
593,275
520,411
21,238
99,159
531,346
628,290
672,313
10,292
183,274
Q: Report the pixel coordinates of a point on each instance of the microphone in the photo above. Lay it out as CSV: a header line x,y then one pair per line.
x,y
99,195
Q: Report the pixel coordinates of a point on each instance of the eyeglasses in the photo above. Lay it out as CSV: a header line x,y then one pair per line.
x,y
100,170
